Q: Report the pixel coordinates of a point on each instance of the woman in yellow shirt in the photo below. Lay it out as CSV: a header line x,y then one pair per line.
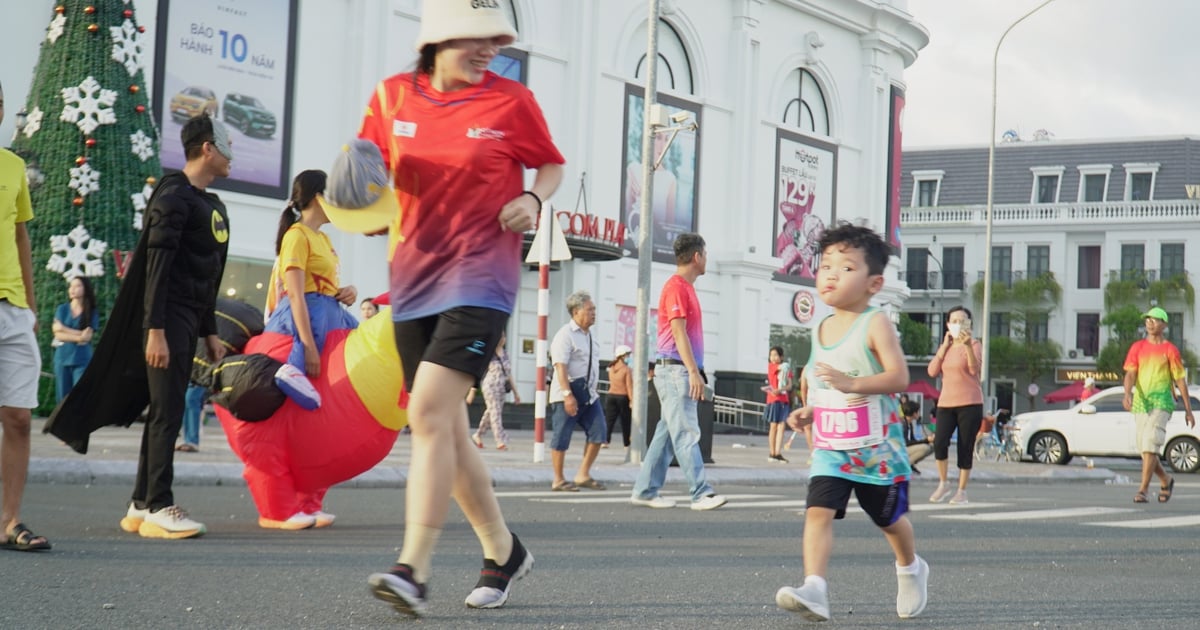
x,y
306,274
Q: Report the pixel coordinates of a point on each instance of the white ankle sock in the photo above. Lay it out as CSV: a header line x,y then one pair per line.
x,y
818,581
910,569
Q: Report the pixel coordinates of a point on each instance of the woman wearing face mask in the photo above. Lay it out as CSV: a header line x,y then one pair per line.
x,y
960,406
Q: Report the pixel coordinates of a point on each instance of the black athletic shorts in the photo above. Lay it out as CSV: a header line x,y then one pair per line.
x,y
462,339
884,504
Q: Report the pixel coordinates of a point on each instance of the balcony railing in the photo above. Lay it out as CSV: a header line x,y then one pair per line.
x,y
1145,276
1165,211
934,281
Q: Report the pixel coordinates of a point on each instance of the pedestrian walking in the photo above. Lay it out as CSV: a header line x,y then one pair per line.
x,y
496,385
960,405
574,398
679,380
1153,370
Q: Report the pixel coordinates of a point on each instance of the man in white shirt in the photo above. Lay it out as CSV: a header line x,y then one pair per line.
x,y
574,400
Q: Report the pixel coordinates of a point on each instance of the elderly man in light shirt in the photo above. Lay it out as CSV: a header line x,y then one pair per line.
x,y
574,401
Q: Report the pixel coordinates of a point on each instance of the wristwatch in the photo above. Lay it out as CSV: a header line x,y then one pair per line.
x,y
566,392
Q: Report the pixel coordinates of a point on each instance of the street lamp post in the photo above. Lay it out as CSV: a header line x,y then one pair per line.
x,y
987,255
941,284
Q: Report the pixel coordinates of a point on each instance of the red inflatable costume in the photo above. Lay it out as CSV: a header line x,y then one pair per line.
x,y
293,457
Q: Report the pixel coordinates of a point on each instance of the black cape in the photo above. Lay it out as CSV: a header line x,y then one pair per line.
x,y
114,390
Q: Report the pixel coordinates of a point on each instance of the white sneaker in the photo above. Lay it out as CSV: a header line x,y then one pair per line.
x,y
323,519
960,498
133,519
296,385
710,502
658,501
809,600
912,590
299,520
940,494
171,523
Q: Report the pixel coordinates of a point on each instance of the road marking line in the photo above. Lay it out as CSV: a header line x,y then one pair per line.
x,y
1031,515
1153,523
598,498
944,507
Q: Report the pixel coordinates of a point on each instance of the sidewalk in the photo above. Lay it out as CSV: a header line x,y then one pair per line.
x,y
738,459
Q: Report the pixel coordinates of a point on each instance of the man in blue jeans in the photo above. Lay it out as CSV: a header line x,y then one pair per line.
x,y
680,383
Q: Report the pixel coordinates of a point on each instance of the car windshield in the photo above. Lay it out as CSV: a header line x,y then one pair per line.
x,y
253,102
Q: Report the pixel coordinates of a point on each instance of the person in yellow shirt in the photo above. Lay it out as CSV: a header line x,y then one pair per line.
x,y
20,360
305,300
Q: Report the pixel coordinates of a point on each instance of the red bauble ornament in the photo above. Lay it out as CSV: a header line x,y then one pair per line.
x,y
139,109
59,9
80,161
91,142
141,29
77,201
89,9
93,28
133,89
128,14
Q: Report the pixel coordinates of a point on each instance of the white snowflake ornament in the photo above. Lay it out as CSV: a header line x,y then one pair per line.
x,y
56,28
140,200
33,122
88,105
142,145
77,254
84,179
127,46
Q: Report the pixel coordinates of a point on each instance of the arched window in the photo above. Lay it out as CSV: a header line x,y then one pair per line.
x,y
674,67
805,107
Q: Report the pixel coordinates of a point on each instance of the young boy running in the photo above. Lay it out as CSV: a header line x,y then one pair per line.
x,y
858,436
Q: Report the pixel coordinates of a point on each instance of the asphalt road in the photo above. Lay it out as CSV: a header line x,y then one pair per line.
x,y
1058,555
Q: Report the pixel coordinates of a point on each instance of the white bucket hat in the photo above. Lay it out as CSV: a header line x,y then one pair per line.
x,y
444,20
621,351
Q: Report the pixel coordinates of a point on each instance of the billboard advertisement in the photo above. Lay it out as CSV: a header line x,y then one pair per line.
x,y
235,60
805,203
675,188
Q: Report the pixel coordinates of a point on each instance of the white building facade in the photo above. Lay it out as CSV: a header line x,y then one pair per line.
x,y
767,81
1089,212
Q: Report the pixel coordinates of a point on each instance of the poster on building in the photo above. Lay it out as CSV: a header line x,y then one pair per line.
x,y
625,332
805,203
234,61
895,154
676,187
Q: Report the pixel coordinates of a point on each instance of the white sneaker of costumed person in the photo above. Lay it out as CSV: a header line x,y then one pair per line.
x,y
296,385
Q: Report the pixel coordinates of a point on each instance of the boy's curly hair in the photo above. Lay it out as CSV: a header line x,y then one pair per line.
x,y
849,235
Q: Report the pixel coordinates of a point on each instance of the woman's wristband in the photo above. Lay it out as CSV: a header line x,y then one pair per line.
x,y
535,197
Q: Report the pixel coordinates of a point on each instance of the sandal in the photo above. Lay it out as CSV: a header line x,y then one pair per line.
x,y
564,486
590,484
1164,493
1140,498
22,539
186,448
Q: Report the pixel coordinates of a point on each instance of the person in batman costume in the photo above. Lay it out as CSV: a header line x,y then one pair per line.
x,y
166,303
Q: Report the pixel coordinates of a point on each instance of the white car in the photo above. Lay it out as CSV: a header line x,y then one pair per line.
x,y
1100,427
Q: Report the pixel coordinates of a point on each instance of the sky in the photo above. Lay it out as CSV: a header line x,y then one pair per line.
x,y
1080,69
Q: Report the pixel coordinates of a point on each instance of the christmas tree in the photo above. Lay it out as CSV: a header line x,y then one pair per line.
x,y
91,149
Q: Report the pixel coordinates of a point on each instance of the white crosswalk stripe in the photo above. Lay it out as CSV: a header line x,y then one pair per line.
x,y
1153,523
975,511
1033,515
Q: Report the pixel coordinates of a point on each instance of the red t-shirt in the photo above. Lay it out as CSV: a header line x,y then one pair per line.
x,y
456,159
678,299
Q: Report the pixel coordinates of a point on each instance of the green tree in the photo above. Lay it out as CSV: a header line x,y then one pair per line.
x,y
1125,299
914,337
91,150
1028,303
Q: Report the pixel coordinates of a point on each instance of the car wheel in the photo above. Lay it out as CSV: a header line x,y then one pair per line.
x,y
1049,448
1183,454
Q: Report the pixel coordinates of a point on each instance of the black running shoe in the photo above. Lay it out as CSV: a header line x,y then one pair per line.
x,y
495,581
398,588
